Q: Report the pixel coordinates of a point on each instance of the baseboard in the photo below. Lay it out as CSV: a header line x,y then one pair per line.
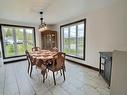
x,y
90,67
6,62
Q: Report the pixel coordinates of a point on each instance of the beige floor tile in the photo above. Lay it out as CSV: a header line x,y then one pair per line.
x,y
15,80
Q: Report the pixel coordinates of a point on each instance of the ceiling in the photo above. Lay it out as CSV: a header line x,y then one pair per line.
x,y
55,11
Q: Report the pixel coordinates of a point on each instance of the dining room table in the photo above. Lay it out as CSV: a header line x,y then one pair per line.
x,y
43,55
46,57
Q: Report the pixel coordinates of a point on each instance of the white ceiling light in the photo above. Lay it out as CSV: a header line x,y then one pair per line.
x,y
42,26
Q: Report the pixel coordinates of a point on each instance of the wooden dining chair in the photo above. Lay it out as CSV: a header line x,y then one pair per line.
x,y
27,56
40,65
58,63
36,49
31,62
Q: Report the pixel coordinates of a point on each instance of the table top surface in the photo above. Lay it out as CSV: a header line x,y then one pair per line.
x,y
43,54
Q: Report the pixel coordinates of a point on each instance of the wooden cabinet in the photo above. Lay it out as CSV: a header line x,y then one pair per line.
x,y
106,65
48,39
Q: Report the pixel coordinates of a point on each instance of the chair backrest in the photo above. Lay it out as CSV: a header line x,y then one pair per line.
x,y
27,53
29,58
54,49
36,49
59,60
39,63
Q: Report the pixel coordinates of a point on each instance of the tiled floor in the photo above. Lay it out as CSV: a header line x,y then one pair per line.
x,y
14,80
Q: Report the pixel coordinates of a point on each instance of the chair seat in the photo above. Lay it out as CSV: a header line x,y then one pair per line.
x,y
41,68
50,67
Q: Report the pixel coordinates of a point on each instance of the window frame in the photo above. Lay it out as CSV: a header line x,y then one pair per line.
x,y
18,26
62,35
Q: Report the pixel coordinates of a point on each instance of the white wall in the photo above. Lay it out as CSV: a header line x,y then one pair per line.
x,y
106,30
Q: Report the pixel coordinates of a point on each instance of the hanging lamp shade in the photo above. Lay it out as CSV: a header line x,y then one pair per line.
x,y
43,25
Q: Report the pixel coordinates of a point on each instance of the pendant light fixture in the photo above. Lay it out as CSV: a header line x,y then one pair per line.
x,y
42,26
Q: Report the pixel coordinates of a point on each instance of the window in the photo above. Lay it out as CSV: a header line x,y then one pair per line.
x,y
73,39
16,39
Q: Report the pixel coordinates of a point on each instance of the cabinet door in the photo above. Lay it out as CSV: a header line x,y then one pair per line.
x,y
44,41
53,40
49,39
107,72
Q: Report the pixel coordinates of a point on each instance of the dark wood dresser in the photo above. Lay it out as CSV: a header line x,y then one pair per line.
x,y
105,66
